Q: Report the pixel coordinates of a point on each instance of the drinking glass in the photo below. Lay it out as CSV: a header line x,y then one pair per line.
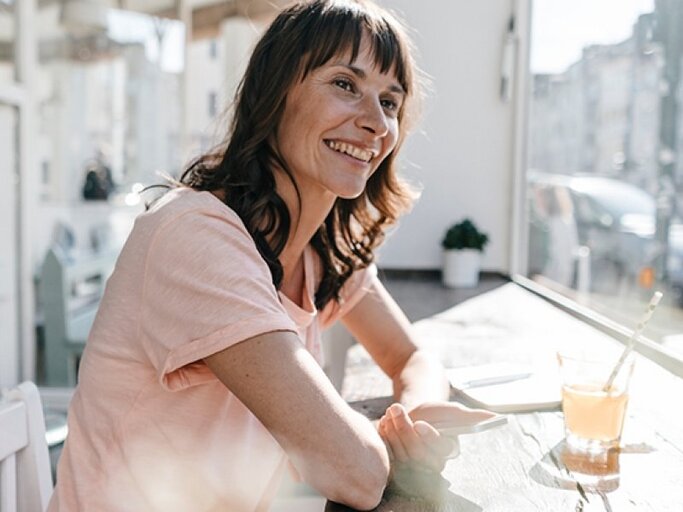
x,y
593,415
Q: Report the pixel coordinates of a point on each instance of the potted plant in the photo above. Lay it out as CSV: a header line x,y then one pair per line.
x,y
463,245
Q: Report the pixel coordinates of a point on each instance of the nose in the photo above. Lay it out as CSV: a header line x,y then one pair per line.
x,y
372,117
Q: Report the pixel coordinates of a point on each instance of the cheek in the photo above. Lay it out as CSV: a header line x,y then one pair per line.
x,y
303,128
298,146
391,140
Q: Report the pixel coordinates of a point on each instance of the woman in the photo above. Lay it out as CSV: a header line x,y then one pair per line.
x,y
201,381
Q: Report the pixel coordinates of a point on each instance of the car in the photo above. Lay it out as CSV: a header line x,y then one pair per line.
x,y
674,262
610,222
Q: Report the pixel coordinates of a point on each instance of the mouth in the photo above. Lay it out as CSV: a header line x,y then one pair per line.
x,y
363,155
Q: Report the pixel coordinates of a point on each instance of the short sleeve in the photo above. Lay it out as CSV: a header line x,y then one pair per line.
x,y
351,293
206,288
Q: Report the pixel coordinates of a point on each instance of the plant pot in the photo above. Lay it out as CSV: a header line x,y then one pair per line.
x,y
461,268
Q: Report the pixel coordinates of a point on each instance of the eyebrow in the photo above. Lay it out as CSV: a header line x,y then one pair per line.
x,y
362,74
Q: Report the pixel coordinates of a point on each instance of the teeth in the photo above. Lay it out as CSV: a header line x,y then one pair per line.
x,y
343,147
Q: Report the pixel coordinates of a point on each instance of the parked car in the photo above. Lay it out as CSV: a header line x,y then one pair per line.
x,y
613,219
674,261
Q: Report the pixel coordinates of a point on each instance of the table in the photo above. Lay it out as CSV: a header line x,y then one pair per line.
x,y
524,466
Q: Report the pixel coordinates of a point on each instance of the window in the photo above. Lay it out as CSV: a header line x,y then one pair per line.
x,y
605,158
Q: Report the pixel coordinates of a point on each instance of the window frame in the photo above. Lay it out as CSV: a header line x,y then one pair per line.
x,y
18,95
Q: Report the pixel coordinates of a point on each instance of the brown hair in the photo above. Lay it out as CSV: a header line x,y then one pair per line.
x,y
302,38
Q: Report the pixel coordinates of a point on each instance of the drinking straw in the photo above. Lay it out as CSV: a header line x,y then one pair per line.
x,y
632,340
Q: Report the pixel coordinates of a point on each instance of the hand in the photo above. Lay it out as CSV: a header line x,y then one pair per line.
x,y
416,443
412,438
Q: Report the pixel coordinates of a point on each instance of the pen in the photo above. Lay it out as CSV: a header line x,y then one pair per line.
x,y
490,381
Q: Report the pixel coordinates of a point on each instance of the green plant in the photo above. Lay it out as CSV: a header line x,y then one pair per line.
x,y
464,235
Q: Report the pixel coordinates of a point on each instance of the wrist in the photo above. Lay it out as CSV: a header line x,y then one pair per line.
x,y
423,379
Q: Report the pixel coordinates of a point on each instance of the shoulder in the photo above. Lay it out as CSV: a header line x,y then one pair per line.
x,y
192,227
190,213
180,201
193,240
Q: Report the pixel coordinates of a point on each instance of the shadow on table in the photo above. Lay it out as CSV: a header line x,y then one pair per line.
x,y
417,491
372,408
564,468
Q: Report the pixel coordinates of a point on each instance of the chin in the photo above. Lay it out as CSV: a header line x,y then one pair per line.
x,y
350,189
350,193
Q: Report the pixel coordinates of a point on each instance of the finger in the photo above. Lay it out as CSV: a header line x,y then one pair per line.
x,y
393,440
382,429
438,446
413,445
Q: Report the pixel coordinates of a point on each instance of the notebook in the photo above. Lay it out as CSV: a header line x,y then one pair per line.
x,y
507,387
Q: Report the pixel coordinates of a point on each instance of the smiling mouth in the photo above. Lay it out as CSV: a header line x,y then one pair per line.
x,y
349,149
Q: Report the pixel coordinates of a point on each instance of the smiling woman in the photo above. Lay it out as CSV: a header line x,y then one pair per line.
x,y
360,70
214,311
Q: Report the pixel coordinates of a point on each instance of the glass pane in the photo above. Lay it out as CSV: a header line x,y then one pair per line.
x,y
605,177
7,35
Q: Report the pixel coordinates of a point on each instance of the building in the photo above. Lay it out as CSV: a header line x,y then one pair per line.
x,y
601,115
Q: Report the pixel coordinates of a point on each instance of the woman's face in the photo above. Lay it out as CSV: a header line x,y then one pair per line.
x,y
338,124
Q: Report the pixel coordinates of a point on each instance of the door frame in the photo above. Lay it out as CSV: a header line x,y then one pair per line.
x,y
19,95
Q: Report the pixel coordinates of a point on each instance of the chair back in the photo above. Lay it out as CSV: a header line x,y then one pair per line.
x,y
25,478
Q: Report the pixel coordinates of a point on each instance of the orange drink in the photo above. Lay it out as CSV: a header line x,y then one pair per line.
x,y
593,416
591,413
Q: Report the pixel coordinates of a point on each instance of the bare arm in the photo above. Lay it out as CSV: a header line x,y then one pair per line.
x,y
378,323
335,449
419,382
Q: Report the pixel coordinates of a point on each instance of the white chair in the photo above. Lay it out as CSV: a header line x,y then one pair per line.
x,y
25,478
70,290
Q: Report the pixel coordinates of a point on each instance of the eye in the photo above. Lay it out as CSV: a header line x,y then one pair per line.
x,y
345,84
389,104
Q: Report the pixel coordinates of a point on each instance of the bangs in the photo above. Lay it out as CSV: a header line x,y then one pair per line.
x,y
338,29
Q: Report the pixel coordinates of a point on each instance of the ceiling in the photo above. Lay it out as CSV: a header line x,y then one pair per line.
x,y
206,14
169,8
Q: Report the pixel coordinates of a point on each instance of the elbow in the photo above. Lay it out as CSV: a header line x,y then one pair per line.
x,y
362,487
353,471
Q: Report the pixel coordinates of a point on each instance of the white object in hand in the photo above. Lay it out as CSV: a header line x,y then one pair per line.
x,y
452,432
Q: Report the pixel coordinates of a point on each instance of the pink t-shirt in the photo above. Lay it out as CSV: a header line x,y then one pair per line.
x,y
150,426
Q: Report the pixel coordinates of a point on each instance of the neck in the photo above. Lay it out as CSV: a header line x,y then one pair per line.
x,y
306,217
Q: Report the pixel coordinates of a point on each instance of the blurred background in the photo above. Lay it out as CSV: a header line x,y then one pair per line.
x,y
555,126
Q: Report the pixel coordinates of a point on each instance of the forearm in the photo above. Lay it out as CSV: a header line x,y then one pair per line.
x,y
378,323
422,379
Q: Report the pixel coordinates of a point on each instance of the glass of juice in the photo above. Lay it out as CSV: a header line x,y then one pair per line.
x,y
593,414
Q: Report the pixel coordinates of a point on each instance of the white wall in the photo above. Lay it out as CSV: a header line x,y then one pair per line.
x,y
462,152
205,77
463,157
239,36
221,75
